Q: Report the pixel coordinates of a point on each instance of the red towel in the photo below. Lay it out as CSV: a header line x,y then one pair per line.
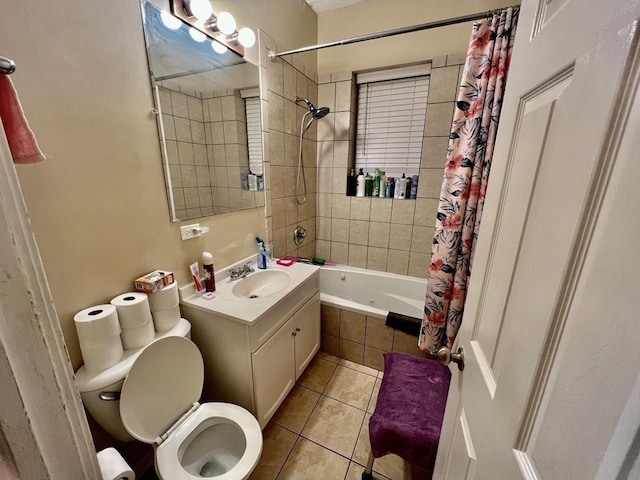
x,y
22,143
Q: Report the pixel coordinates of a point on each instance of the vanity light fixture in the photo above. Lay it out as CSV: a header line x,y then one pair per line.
x,y
244,37
224,23
200,9
221,27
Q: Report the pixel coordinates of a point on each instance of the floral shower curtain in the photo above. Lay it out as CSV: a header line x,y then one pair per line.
x,y
466,175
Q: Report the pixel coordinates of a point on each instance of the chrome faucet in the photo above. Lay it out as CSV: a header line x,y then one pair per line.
x,y
240,272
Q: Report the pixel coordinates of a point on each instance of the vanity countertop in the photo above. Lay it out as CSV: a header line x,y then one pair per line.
x,y
247,310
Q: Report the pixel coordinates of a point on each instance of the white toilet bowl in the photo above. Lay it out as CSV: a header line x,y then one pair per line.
x,y
158,405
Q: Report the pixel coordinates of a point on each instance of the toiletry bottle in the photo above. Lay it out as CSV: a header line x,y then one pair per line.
x,y
408,189
262,254
414,187
376,184
390,187
360,184
368,185
383,185
401,187
260,183
352,182
209,275
262,257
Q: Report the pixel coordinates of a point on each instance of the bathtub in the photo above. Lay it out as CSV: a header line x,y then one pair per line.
x,y
371,292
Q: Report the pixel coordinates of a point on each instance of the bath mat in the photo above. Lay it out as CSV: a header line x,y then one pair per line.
x,y
404,323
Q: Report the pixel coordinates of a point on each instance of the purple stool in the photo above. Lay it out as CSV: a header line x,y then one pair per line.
x,y
408,416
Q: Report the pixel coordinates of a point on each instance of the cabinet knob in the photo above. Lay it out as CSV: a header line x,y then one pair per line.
x,y
293,333
297,329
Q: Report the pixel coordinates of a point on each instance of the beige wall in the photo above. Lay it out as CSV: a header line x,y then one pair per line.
x,y
374,16
98,205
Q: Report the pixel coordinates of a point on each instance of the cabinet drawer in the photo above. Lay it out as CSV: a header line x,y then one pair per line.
x,y
261,331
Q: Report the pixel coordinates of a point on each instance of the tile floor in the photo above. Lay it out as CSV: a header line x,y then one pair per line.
x,y
321,429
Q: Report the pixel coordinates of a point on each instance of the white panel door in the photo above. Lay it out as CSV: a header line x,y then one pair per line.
x,y
551,326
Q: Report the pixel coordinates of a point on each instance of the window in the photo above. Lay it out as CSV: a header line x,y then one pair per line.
x,y
392,108
254,134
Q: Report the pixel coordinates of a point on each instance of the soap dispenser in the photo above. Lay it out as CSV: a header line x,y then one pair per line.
x,y
263,254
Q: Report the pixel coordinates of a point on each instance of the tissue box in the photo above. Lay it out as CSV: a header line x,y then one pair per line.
x,y
154,281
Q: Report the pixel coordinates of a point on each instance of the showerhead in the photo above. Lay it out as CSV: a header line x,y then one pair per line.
x,y
316,112
321,112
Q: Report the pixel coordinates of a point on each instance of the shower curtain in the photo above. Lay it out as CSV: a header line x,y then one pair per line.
x,y
466,174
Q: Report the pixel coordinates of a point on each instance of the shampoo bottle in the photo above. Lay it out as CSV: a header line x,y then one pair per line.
x,y
360,184
376,184
352,183
209,275
368,185
383,185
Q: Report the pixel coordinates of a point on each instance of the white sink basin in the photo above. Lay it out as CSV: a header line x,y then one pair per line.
x,y
261,284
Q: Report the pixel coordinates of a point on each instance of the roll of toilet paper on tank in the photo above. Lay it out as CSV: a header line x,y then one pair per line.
x,y
133,309
96,325
165,299
113,466
166,319
137,337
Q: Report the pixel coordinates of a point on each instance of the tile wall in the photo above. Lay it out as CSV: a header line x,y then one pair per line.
x,y
206,138
377,233
286,78
361,338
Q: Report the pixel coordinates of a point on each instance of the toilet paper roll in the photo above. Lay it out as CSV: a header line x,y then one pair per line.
x,y
98,358
133,309
96,325
113,466
165,299
137,337
166,319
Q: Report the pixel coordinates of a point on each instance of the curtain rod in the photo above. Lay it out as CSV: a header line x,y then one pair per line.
x,y
7,66
389,33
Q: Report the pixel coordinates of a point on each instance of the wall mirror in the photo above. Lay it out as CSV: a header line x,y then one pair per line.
x,y
209,122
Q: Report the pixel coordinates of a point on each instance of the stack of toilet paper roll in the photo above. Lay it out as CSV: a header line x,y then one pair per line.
x,y
165,307
135,319
99,335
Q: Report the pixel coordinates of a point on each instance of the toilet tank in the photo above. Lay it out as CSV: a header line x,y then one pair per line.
x,y
100,391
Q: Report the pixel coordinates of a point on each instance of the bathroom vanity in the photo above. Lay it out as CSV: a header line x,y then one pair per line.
x,y
257,335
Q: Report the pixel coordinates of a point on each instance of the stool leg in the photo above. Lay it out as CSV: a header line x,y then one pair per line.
x,y
368,470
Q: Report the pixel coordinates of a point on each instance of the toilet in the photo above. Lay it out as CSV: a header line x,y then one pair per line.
x,y
158,404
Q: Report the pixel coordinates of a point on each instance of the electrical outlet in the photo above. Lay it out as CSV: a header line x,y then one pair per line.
x,y
188,232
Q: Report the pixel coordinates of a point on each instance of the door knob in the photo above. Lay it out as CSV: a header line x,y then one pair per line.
x,y
445,356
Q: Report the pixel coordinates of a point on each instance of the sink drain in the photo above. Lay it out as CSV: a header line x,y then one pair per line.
x,y
253,296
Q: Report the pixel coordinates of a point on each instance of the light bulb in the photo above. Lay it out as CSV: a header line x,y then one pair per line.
x,y
246,37
171,22
219,48
197,35
201,9
226,23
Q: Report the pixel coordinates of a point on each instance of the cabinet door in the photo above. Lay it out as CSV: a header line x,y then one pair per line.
x,y
307,333
273,372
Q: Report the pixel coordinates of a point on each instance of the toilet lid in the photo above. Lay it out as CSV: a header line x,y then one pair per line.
x,y
163,383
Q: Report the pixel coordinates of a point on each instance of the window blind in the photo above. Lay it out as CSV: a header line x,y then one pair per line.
x,y
390,125
254,134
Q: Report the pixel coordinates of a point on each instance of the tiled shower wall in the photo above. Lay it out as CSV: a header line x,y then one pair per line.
x,y
286,79
206,139
377,233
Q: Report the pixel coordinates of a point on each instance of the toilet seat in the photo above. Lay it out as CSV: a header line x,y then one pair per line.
x,y
158,405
